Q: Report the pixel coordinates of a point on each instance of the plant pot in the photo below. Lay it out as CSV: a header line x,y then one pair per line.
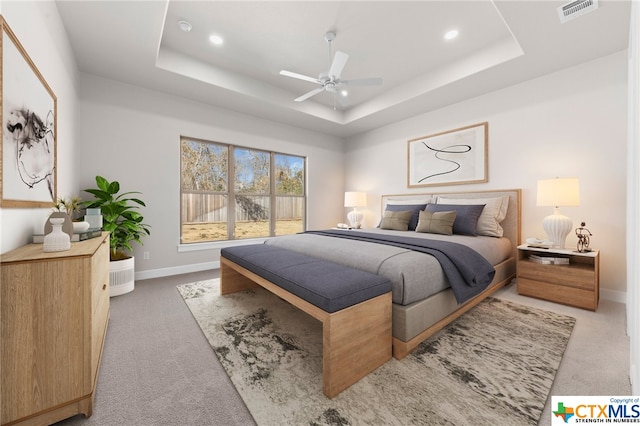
x,y
121,276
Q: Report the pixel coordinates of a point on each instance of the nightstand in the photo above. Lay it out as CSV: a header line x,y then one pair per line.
x,y
576,283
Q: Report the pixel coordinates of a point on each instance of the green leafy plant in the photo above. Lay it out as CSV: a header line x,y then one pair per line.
x,y
120,216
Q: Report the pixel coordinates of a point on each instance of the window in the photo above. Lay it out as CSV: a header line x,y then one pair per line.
x,y
231,192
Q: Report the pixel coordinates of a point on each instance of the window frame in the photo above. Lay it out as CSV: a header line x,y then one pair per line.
x,y
231,194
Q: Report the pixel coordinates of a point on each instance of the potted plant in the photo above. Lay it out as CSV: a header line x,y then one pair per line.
x,y
122,219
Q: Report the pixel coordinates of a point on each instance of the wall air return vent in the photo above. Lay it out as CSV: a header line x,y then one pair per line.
x,y
576,8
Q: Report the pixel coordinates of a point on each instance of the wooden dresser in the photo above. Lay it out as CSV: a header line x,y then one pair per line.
x,y
54,309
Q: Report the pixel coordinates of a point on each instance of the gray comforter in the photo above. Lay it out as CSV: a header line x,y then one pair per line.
x,y
414,275
468,273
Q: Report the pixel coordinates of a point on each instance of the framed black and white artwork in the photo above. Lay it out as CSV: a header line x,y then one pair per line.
x,y
454,157
29,112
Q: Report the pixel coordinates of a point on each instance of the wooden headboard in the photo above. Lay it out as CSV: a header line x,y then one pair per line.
x,y
511,224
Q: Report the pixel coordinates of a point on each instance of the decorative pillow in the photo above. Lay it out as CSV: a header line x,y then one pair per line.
x,y
436,222
466,216
396,220
494,212
414,208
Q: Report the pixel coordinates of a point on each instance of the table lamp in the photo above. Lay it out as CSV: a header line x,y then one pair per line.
x,y
558,192
355,199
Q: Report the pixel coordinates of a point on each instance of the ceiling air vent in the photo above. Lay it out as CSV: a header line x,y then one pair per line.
x,y
576,8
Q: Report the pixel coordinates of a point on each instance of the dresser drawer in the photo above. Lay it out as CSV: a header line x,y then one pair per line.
x,y
577,276
581,298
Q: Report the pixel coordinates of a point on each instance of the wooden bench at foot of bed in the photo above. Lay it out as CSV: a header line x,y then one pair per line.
x,y
354,306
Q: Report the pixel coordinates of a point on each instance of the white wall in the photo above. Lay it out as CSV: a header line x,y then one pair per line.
x,y
132,135
571,123
38,27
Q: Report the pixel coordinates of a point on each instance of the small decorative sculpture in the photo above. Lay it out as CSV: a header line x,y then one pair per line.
x,y
583,235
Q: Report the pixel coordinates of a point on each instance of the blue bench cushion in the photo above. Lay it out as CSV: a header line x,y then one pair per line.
x,y
327,285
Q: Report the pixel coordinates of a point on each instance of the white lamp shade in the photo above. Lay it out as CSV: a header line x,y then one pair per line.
x,y
355,199
558,192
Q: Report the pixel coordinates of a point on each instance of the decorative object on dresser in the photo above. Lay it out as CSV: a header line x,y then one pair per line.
x,y
29,141
67,226
574,280
457,156
56,240
121,218
556,193
94,218
54,310
355,199
72,207
583,235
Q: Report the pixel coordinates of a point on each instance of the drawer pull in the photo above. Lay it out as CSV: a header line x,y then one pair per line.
x,y
104,286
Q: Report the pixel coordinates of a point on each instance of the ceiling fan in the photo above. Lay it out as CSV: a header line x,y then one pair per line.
x,y
331,81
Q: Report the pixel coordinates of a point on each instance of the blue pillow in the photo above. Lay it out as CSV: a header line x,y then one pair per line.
x,y
415,208
466,216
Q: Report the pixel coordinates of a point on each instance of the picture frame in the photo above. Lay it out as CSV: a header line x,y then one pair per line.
x,y
28,157
454,157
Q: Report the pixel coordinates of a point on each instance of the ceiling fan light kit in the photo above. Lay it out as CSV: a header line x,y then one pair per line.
x,y
331,81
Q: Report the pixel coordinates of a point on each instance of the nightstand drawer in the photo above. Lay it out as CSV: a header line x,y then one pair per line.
x,y
581,298
566,275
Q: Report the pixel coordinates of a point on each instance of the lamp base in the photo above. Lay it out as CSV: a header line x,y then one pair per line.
x,y
355,218
557,226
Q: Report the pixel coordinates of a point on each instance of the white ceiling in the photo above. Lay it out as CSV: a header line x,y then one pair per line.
x,y
500,43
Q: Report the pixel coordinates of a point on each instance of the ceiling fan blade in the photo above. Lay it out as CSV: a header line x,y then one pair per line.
x,y
339,61
363,82
309,94
300,76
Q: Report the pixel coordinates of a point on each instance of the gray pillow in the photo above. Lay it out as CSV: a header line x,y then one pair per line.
x,y
398,221
436,222
466,216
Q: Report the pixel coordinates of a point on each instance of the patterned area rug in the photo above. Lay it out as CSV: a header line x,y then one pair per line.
x,y
493,366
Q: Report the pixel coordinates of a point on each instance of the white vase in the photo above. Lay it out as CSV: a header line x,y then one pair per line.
x,y
56,240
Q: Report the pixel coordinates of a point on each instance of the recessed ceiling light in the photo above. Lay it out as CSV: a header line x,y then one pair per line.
x,y
344,92
450,35
185,26
216,39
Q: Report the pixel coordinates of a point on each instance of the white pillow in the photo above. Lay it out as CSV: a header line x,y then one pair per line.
x,y
408,202
494,212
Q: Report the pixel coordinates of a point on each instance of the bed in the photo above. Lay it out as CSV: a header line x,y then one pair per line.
x,y
423,300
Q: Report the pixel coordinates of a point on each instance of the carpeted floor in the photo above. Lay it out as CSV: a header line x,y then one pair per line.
x,y
159,370
494,365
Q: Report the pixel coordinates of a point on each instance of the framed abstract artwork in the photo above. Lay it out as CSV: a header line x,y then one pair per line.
x,y
453,157
29,112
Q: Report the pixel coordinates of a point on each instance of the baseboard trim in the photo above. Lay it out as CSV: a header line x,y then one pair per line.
x,y
613,295
177,270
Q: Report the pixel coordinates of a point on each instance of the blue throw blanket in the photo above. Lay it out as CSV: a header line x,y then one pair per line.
x,y
467,271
